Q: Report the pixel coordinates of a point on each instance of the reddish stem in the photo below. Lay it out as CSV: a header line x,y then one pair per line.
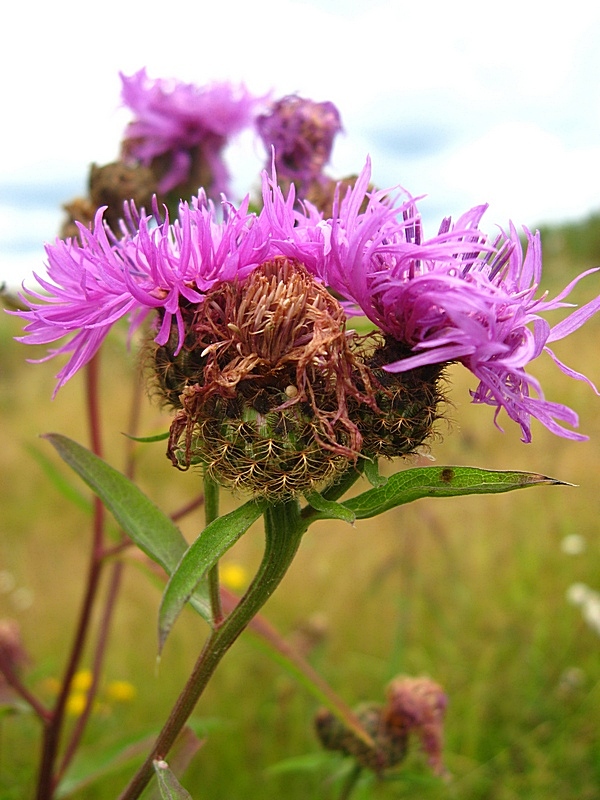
x,y
111,597
107,615
46,779
15,682
188,508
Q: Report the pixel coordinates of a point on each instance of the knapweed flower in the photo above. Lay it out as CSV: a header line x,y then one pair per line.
x,y
271,393
418,706
250,348
269,389
414,706
180,130
301,132
458,297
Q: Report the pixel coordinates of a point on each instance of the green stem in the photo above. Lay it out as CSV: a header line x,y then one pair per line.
x,y
350,782
211,512
283,533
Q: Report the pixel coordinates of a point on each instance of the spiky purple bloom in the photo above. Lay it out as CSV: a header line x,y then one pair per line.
x,y
301,132
458,297
93,284
172,119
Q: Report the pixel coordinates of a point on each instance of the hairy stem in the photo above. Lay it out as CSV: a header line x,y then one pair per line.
x,y
283,533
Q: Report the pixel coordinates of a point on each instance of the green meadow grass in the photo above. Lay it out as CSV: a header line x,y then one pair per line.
x,y
470,591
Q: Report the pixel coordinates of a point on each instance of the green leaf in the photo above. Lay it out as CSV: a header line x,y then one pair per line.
x,y
93,765
309,762
330,507
204,553
413,484
158,437
170,788
151,530
59,481
371,470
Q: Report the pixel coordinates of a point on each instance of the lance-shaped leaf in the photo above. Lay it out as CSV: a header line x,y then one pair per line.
x,y
151,530
203,554
64,486
170,788
414,484
158,437
371,470
330,507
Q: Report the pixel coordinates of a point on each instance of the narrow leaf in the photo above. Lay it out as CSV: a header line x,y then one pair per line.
x,y
95,765
371,470
330,507
151,530
170,788
414,484
59,481
158,437
204,553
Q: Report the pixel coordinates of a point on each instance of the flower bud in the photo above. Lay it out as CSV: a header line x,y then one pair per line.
x,y
13,657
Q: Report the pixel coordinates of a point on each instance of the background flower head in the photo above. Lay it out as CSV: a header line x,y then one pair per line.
x,y
181,129
301,132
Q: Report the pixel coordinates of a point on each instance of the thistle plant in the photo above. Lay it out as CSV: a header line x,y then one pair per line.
x,y
295,346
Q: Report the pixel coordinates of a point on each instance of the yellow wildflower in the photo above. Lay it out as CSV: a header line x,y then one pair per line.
x,y
233,576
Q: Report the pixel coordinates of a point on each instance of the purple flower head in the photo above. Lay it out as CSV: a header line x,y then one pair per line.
x,y
179,122
302,133
157,266
458,297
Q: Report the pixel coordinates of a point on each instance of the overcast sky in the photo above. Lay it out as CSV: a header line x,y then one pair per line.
x,y
465,102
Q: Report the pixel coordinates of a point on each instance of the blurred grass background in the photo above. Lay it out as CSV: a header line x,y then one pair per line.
x,y
471,592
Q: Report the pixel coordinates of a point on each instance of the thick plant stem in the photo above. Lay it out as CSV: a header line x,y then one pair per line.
x,y
283,533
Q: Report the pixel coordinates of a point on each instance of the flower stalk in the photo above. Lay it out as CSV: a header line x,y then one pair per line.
x,y
283,533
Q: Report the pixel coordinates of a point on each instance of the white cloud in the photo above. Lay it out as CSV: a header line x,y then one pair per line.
x,y
526,173
501,100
